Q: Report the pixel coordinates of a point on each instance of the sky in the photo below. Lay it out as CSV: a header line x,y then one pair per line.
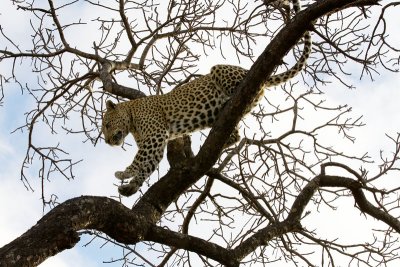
x,y
22,208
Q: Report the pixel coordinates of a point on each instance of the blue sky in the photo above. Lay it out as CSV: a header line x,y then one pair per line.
x,y
20,208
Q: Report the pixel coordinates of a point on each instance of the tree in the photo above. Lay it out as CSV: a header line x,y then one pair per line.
x,y
253,196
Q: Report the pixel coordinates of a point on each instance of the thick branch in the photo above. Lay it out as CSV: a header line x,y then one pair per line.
x,y
263,236
114,88
192,243
57,230
124,91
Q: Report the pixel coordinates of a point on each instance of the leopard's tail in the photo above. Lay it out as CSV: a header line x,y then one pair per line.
x,y
293,71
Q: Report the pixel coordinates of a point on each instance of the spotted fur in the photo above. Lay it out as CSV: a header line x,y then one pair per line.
x,y
154,120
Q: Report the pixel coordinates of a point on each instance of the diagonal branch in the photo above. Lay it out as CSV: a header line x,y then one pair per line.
x,y
292,222
202,247
364,205
157,198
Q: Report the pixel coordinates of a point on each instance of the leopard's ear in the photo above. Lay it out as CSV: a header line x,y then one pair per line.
x,y
110,105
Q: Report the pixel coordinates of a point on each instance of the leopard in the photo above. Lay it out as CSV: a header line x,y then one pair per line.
x,y
156,119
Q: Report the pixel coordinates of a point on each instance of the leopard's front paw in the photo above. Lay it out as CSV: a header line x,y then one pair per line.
x,y
122,175
128,189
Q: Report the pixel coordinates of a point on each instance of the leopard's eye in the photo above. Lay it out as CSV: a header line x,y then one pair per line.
x,y
108,125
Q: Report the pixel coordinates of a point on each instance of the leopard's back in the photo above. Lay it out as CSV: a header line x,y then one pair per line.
x,y
193,106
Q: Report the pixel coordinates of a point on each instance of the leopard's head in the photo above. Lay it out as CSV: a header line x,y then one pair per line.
x,y
115,125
